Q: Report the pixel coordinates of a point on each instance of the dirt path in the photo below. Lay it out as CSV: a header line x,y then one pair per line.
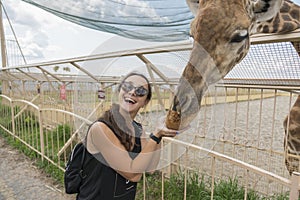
x,y
20,179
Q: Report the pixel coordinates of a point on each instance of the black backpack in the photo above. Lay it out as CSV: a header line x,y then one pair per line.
x,y
75,173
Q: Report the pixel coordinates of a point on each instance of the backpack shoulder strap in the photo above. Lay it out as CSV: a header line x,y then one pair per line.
x,y
83,156
90,164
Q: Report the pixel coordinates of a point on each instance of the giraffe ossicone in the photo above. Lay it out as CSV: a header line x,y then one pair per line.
x,y
221,31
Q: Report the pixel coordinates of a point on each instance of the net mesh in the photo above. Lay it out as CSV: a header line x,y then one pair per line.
x,y
152,20
274,64
169,21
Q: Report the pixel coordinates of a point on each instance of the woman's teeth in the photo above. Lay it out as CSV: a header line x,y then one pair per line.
x,y
128,100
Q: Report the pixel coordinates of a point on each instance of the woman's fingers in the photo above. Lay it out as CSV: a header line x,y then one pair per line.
x,y
168,132
165,132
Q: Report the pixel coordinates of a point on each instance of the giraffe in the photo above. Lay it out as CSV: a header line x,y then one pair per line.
x,y
291,126
221,31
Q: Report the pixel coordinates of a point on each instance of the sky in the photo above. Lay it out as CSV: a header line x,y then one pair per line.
x,y
44,36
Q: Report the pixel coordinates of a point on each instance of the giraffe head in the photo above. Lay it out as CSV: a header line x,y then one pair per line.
x,y
221,31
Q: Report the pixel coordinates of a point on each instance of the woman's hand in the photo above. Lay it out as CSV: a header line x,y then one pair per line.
x,y
163,131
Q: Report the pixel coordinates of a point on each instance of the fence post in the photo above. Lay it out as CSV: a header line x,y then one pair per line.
x,y
294,193
12,117
41,134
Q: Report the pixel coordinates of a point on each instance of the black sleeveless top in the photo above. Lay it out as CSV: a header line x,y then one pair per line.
x,y
103,182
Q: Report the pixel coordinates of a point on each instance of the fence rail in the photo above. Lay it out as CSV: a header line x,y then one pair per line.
x,y
51,134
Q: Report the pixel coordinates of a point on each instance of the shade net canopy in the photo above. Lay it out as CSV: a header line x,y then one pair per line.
x,y
150,20
168,21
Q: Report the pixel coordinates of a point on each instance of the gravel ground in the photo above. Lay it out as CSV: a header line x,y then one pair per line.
x,y
20,179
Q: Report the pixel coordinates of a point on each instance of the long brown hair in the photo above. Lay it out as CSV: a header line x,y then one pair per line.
x,y
121,126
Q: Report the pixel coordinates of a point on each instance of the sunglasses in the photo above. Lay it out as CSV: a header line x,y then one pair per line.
x,y
139,91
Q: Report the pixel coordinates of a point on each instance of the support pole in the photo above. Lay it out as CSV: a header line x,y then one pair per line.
x,y
3,50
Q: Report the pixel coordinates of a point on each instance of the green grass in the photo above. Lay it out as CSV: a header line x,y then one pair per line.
x,y
198,188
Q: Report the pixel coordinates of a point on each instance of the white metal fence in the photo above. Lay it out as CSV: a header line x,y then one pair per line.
x,y
237,134
241,144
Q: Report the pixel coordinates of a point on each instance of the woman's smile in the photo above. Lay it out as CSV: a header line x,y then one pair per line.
x,y
129,100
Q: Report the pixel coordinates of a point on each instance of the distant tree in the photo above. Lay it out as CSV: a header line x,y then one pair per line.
x,y
56,68
67,69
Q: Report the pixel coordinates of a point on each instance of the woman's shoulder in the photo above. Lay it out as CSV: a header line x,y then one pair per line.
x,y
99,126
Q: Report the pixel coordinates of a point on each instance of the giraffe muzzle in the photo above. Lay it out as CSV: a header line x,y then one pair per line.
x,y
184,108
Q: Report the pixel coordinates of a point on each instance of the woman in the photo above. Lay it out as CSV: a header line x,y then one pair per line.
x,y
119,150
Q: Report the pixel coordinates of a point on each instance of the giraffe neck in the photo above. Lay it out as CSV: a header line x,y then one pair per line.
x,y
293,126
287,20
297,47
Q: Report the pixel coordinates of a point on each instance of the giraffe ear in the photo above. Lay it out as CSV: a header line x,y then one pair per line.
x,y
193,5
266,9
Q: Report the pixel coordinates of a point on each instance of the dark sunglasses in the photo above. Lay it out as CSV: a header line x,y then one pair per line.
x,y
139,91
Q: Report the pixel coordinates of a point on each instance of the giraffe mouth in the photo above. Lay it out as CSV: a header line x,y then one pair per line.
x,y
184,108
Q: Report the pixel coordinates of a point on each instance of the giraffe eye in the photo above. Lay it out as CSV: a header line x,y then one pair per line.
x,y
239,37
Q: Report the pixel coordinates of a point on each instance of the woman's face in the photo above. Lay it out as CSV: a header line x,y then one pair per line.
x,y
133,94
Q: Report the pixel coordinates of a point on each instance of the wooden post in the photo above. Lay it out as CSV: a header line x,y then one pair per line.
x,y
12,117
40,117
3,49
294,193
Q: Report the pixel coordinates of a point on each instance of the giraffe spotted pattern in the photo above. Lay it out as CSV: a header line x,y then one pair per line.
x,y
291,126
221,31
